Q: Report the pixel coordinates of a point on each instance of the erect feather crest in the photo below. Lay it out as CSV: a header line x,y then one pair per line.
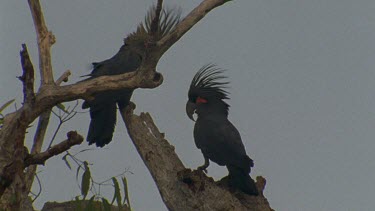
x,y
168,20
207,83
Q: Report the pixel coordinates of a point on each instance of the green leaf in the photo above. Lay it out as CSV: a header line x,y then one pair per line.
x,y
86,177
6,105
106,205
62,107
126,197
117,194
64,158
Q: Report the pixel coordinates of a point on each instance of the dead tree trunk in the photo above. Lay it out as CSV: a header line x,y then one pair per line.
x,y
181,189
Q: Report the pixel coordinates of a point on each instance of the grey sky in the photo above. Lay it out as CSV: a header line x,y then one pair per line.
x,y
302,83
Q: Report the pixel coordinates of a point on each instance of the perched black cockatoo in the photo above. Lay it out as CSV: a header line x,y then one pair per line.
x,y
127,59
214,134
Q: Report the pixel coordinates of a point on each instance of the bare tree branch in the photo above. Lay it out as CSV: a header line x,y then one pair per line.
x,y
64,77
37,146
45,40
87,88
65,117
39,136
188,22
73,139
27,77
180,188
40,188
144,77
12,134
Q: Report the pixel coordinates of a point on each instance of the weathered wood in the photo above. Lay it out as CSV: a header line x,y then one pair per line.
x,y
27,77
188,22
39,136
72,206
40,158
181,188
45,40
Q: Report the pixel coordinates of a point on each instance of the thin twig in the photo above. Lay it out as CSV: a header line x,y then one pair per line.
x,y
50,95
40,134
40,188
104,183
55,133
62,119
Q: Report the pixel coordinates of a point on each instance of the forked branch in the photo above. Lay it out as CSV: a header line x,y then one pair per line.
x,y
49,94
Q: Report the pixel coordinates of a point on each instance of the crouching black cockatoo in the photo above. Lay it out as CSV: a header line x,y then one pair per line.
x,y
130,56
214,134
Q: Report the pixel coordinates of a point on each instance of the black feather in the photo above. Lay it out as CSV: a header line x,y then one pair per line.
x,y
168,20
127,59
102,125
206,83
214,134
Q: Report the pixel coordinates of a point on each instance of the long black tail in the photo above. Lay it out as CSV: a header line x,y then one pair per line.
x,y
102,125
239,179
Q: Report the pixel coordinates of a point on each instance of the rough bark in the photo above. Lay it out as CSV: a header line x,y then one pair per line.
x,y
72,206
40,158
181,188
45,40
27,77
39,137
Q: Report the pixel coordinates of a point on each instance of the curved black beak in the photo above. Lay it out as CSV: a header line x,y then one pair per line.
x,y
190,110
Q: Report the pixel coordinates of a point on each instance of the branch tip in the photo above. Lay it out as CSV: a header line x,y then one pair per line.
x,y
40,158
64,77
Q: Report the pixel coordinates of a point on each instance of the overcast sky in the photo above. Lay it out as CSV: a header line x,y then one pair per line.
x,y
302,93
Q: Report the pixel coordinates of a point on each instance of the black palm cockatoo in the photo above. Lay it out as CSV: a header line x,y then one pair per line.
x,y
214,134
127,59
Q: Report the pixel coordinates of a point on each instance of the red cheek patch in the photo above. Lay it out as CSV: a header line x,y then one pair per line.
x,y
201,100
